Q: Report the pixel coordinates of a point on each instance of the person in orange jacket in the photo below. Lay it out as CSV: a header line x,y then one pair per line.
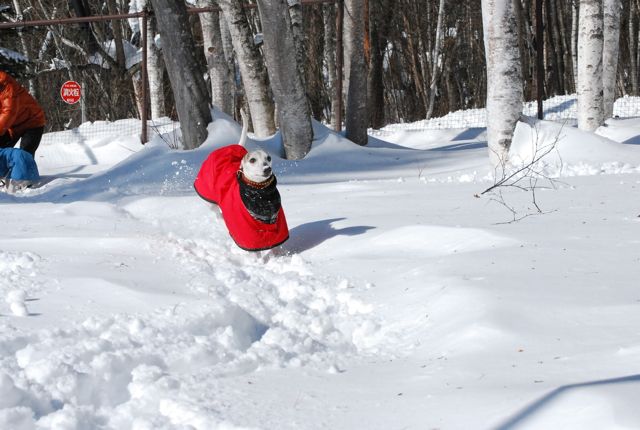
x,y
21,117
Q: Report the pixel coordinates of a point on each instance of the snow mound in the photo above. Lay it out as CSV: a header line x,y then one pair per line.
x,y
561,150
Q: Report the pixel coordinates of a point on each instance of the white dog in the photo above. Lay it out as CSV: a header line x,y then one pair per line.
x,y
242,184
255,165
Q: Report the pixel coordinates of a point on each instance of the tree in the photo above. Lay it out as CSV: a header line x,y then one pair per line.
x,y
504,76
357,117
189,89
610,50
285,77
590,83
436,60
252,69
217,63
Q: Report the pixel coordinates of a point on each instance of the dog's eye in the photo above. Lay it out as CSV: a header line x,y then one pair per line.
x,y
268,157
252,160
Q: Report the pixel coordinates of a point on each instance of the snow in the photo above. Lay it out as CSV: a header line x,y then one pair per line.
x,y
400,300
13,55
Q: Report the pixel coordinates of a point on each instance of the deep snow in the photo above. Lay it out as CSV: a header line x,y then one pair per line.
x,y
400,301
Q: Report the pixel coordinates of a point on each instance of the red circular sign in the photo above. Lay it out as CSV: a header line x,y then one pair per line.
x,y
71,92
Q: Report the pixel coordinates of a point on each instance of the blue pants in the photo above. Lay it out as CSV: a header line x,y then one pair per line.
x,y
18,164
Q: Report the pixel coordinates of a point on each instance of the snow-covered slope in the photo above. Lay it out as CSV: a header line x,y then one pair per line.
x,y
400,301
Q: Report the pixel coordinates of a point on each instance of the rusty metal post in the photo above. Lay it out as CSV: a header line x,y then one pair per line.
x,y
143,75
339,61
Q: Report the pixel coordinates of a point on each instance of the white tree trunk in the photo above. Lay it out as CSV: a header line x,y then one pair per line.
x,y
155,72
155,64
357,114
611,48
590,84
252,69
435,66
329,17
504,76
219,70
574,39
286,81
633,48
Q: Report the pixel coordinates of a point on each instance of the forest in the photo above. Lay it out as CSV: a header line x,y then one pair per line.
x,y
421,59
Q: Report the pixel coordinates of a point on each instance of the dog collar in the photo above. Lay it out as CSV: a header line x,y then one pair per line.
x,y
258,185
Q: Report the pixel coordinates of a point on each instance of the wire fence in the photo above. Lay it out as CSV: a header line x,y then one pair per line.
x,y
558,108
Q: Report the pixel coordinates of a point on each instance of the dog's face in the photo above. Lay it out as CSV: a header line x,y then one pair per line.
x,y
256,166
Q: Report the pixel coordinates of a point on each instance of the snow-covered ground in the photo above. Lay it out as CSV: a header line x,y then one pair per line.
x,y
401,301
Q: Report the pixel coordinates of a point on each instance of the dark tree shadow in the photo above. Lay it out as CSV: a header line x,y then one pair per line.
x,y
312,234
635,140
537,406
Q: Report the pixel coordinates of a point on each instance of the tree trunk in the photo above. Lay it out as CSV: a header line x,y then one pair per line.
x,y
590,84
633,46
219,71
610,50
189,89
227,48
504,77
381,15
313,66
286,82
252,69
329,16
295,13
25,48
357,114
435,60
575,5
155,72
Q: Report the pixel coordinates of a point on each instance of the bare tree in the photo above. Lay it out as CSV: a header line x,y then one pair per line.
x,y
436,60
189,89
286,80
610,50
590,83
357,117
329,17
219,70
252,69
504,77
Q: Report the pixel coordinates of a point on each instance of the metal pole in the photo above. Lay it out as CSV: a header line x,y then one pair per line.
x,y
539,58
83,103
339,61
145,82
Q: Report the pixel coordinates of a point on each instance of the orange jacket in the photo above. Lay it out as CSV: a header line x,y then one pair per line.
x,y
18,110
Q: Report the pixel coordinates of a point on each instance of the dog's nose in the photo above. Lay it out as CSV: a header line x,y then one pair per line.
x,y
267,171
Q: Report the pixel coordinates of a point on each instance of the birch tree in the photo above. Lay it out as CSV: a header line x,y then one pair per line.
x,y
329,18
252,69
357,117
504,76
590,83
285,78
155,72
435,60
155,63
189,89
611,48
217,64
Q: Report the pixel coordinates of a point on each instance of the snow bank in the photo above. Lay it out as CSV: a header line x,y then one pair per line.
x,y
562,150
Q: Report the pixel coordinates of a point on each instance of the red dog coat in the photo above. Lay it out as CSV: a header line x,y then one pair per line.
x,y
217,182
